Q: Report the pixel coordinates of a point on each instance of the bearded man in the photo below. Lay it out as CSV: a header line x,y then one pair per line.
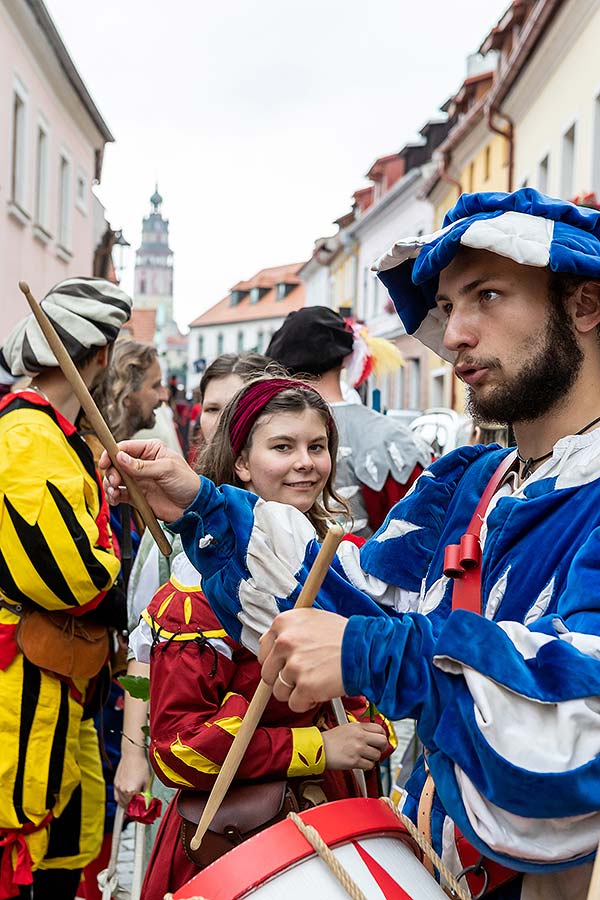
x,y
489,566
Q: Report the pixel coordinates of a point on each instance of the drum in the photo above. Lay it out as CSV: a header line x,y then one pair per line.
x,y
365,836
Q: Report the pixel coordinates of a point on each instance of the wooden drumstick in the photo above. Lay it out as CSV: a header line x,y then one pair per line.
x,y
257,705
94,415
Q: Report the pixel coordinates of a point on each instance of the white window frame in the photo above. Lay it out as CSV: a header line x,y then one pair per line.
x,y
568,148
64,231
41,210
415,367
81,202
441,377
18,150
543,173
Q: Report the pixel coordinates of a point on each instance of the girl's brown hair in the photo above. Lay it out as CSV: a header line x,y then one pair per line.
x,y
217,461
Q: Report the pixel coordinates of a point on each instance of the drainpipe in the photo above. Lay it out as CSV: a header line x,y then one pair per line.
x,y
508,135
444,173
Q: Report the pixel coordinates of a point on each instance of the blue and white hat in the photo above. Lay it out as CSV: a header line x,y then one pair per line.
x,y
526,226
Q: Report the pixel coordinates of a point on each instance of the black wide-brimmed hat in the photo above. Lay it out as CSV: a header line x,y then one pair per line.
x,y
312,340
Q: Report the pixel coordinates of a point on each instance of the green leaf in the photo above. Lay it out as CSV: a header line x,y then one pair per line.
x,y
137,686
145,729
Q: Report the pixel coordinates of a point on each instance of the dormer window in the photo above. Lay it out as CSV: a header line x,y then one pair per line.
x,y
237,297
256,293
282,290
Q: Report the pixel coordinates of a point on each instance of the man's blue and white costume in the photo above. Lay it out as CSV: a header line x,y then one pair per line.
x,y
507,703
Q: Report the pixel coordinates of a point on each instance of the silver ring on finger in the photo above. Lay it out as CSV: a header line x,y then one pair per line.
x,y
284,682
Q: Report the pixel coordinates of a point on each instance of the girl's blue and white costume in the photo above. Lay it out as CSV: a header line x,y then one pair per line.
x,y
507,703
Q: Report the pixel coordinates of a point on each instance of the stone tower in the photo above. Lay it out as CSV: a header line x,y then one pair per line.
x,y
153,287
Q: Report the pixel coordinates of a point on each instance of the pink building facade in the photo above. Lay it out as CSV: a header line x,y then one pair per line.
x,y
52,140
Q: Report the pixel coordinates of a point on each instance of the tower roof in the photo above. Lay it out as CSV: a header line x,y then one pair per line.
x,y
156,199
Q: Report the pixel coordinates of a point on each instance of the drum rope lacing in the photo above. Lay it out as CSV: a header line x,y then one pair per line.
x,y
337,869
322,850
454,888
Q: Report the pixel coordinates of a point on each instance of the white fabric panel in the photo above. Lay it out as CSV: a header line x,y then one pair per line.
x,y
538,840
449,853
540,605
185,573
407,248
396,528
519,236
276,550
143,587
380,591
434,596
140,642
431,333
496,594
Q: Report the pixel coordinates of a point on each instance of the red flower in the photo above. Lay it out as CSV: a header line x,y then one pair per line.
x,y
143,808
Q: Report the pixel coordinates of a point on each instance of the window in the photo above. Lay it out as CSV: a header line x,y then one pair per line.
x,y
260,341
543,174
567,171
282,291
254,295
200,346
219,343
81,192
64,202
414,383
41,176
240,341
19,146
486,163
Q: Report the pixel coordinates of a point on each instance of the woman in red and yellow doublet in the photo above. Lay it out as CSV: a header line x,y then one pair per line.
x,y
201,684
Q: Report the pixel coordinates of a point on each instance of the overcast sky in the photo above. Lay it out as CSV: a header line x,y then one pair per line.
x,y
258,119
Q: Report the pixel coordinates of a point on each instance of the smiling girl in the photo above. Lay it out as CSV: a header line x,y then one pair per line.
x,y
277,439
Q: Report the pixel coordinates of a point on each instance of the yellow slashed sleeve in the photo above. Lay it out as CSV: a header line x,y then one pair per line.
x,y
308,752
50,544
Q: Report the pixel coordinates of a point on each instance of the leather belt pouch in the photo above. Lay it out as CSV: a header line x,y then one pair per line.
x,y
62,643
246,809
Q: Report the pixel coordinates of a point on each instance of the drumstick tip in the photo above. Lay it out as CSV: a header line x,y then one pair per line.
x,y
24,287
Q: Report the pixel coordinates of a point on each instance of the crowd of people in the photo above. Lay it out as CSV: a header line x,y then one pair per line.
x,y
439,606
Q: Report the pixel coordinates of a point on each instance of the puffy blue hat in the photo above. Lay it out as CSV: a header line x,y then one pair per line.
x,y
526,226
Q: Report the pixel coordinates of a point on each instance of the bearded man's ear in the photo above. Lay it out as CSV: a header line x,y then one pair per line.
x,y
585,306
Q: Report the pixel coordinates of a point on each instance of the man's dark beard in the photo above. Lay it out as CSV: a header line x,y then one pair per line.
x,y
541,383
136,418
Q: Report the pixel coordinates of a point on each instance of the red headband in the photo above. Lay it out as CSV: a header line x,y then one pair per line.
x,y
251,405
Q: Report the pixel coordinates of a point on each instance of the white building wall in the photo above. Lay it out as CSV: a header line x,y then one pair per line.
x,y
559,89
317,282
30,249
256,335
376,233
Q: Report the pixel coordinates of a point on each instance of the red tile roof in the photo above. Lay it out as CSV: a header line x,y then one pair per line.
x,y
268,307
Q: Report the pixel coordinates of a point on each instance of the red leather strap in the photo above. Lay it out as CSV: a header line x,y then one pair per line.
x,y
474,865
462,561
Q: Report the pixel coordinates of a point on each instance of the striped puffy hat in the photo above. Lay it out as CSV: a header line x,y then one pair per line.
x,y
86,313
526,226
